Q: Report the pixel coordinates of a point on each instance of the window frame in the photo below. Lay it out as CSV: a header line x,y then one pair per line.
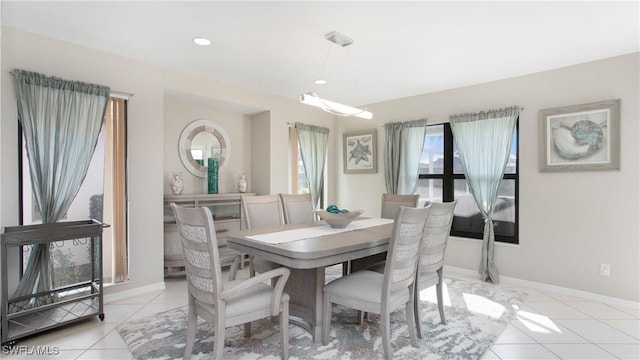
x,y
448,178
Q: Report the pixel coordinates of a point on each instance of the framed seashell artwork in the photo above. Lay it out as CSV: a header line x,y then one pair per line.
x,y
580,137
359,152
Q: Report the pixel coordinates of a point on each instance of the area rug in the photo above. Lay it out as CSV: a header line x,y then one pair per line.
x,y
477,313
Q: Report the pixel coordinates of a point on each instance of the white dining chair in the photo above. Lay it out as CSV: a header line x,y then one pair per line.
x,y
223,304
431,262
390,205
261,211
373,292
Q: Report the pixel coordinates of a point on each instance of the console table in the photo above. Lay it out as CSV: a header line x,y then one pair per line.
x,y
227,216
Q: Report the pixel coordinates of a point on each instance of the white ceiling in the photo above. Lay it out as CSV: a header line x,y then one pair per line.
x,y
401,48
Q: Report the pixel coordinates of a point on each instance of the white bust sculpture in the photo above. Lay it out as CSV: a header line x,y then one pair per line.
x,y
176,183
242,183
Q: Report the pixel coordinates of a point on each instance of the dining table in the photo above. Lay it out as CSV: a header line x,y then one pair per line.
x,y
306,250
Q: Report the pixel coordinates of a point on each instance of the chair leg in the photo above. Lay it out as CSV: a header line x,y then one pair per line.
x,y
284,329
416,313
411,324
386,333
362,316
192,320
252,270
233,268
274,319
218,341
247,330
346,268
443,320
326,319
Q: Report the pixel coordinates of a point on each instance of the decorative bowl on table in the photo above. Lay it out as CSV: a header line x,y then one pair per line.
x,y
340,219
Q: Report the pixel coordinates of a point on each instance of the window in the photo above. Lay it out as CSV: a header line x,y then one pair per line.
x,y
299,181
442,179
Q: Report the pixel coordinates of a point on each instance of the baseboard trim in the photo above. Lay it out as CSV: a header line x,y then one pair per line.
x,y
452,269
553,288
120,295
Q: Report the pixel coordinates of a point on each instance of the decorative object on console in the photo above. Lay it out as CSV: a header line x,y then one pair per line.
x,y
580,137
338,220
199,141
212,175
177,184
242,183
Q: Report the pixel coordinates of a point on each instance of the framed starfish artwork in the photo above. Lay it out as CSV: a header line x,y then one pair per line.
x,y
359,152
580,137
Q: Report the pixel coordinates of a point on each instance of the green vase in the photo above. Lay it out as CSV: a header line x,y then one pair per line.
x,y
212,175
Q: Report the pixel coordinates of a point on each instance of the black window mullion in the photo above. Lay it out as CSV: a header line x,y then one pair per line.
x,y
447,179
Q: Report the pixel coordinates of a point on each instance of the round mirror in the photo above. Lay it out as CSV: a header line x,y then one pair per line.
x,y
200,141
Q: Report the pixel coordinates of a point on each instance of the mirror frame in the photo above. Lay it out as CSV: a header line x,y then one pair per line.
x,y
189,133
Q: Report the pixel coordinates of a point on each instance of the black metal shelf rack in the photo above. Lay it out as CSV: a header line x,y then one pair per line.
x,y
27,315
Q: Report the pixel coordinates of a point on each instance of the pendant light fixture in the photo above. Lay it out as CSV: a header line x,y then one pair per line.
x,y
311,98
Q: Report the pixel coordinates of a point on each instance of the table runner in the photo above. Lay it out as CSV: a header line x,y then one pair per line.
x,y
315,231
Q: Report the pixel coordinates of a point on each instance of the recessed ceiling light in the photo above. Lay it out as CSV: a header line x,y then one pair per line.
x,y
202,41
320,82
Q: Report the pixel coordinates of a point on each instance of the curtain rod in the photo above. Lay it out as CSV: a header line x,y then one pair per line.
x,y
438,122
119,94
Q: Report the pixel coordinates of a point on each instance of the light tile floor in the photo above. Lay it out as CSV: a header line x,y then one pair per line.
x,y
548,326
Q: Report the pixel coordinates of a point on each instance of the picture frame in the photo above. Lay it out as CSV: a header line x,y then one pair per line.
x,y
581,137
359,152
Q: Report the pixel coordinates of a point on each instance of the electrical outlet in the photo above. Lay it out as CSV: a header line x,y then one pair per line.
x,y
605,269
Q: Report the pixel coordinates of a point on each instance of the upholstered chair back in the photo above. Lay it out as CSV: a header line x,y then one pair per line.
x,y
436,235
262,211
297,208
404,247
204,274
392,202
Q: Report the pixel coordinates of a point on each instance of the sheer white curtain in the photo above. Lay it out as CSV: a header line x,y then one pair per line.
x,y
313,142
60,120
484,141
402,151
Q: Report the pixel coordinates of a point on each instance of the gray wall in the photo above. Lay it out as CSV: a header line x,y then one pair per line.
x,y
181,110
570,223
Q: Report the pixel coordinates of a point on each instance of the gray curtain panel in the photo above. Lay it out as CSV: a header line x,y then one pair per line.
x,y
60,120
313,142
402,151
484,142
